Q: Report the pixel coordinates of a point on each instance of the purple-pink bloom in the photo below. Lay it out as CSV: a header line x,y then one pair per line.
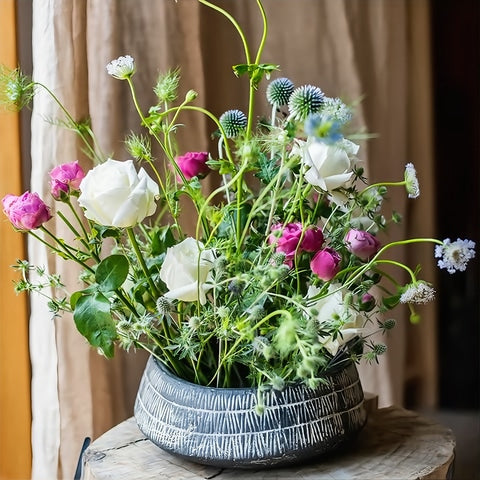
x,y
326,263
65,178
367,302
292,234
27,211
362,244
193,164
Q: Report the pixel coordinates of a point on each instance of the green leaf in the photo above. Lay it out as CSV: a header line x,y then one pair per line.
x,y
94,321
162,238
268,169
112,272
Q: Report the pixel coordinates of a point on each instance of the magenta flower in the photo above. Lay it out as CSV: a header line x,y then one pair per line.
x,y
193,164
311,240
326,263
362,244
65,179
26,212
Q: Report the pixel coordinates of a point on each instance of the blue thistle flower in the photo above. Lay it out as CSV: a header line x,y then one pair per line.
x,y
279,91
304,101
233,122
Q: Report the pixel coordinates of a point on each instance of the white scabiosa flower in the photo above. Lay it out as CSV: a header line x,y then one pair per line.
x,y
419,292
411,181
454,256
122,67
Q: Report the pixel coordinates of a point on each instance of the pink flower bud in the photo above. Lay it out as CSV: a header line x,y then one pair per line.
x,y
291,234
26,212
193,164
65,179
367,302
362,244
326,263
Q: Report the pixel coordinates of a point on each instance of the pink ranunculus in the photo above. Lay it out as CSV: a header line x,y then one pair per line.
x,y
326,263
65,179
312,239
193,164
27,211
291,234
362,244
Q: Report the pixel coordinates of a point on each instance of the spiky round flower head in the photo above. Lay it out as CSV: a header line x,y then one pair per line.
x,y
122,67
305,100
233,122
379,348
454,256
279,91
335,108
16,89
166,88
411,181
419,292
388,324
164,306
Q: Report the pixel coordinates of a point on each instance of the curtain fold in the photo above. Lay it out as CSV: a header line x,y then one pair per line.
x,y
373,50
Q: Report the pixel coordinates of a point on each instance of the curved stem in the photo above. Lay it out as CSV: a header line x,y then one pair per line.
x,y
235,24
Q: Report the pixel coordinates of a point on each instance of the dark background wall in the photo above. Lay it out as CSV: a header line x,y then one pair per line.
x,y
456,83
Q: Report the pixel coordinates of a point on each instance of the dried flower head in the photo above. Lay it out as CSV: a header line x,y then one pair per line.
x,y
418,292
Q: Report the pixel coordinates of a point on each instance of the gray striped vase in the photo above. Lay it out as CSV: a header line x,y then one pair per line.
x,y
219,426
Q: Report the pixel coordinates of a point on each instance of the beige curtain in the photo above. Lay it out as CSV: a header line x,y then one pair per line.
x,y
375,50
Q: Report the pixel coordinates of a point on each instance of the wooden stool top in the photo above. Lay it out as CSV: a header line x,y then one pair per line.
x,y
395,444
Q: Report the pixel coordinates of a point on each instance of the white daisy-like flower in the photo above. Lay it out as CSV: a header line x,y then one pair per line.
x,y
419,292
122,67
454,256
411,181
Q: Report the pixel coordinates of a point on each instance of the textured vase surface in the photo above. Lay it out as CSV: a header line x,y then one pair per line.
x,y
219,426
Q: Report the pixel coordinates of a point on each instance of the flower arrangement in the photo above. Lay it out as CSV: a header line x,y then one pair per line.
x,y
286,267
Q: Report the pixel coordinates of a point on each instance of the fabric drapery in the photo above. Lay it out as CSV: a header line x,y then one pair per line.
x,y
375,51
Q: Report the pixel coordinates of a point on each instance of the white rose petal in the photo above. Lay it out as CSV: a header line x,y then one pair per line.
x,y
186,271
332,305
329,166
114,194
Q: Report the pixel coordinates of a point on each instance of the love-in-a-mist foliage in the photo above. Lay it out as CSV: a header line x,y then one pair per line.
x,y
286,268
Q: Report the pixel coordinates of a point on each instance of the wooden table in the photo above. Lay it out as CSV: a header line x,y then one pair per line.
x,y
395,444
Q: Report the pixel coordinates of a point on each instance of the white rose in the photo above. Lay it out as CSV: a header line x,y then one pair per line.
x,y
331,305
186,271
114,194
329,166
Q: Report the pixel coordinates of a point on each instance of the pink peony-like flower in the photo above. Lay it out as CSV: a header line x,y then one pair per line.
x,y
291,234
193,164
362,244
27,211
65,179
326,263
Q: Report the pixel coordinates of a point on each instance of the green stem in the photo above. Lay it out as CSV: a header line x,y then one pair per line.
x,y
143,265
235,24
75,124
